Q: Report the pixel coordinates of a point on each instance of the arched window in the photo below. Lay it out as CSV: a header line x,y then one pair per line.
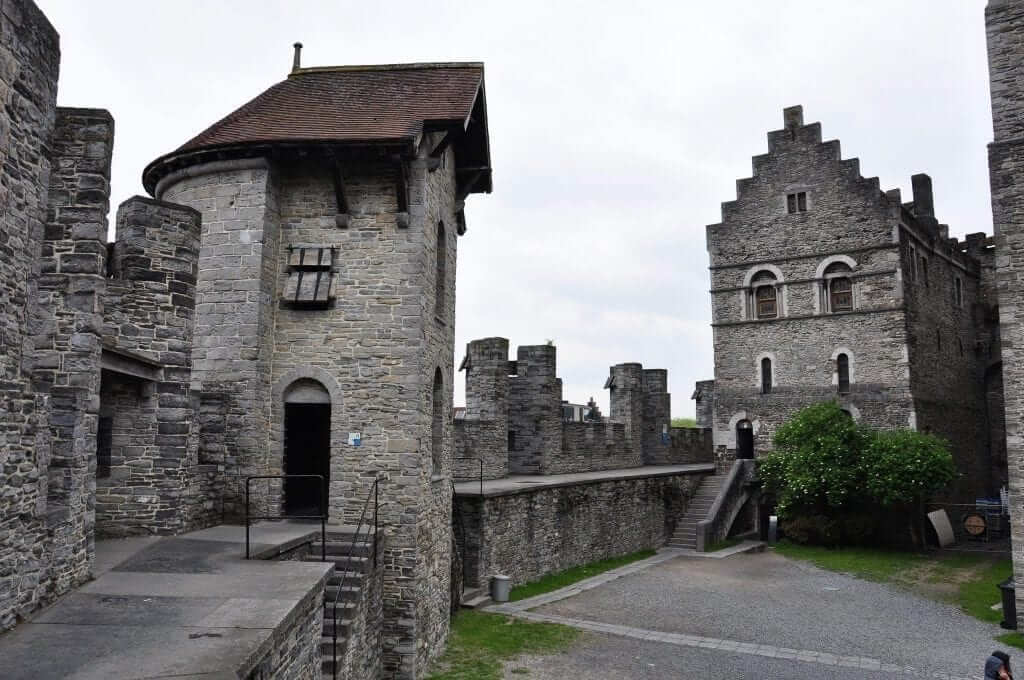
x,y
766,376
839,287
437,424
843,373
765,296
440,271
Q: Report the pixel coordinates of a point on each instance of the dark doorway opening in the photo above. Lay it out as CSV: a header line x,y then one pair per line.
x,y
744,440
307,451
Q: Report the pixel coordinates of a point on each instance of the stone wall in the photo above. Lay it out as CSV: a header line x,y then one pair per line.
x,y
361,657
294,652
1004,20
535,532
690,445
234,304
534,410
704,395
589,447
29,57
480,440
150,303
68,327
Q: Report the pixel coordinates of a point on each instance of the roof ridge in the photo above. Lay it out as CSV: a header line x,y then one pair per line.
x,y
424,65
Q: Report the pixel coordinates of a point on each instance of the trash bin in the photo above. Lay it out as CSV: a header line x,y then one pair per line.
x,y
500,586
1009,604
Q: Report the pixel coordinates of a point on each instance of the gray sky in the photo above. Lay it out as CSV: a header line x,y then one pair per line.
x,y
616,132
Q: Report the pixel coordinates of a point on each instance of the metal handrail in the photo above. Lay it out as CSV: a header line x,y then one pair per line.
x,y
481,476
322,516
374,494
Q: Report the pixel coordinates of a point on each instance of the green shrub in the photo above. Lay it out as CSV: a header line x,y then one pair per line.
x,y
904,466
834,480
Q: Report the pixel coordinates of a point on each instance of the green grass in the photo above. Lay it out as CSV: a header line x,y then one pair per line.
x,y
977,595
479,643
1012,639
866,563
967,580
684,422
570,576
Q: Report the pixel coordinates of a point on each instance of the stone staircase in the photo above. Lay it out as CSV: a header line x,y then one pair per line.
x,y
351,566
685,535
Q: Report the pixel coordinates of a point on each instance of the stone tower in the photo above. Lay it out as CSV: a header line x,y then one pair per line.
x,y
1004,20
325,303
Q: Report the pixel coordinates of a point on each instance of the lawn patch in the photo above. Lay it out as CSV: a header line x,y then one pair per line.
x,y
569,576
479,643
1012,639
967,580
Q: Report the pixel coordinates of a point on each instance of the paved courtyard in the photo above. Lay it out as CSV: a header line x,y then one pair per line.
x,y
754,615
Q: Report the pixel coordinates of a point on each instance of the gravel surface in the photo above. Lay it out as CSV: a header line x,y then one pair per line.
x,y
607,657
767,599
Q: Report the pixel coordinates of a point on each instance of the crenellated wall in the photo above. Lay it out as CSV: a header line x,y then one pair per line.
x,y
150,301
532,437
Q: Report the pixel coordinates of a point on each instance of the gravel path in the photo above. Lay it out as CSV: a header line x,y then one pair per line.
x,y
767,599
607,657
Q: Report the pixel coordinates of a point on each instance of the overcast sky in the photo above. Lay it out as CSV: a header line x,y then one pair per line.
x,y
617,129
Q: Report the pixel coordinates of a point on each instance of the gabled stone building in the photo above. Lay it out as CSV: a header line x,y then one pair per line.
x,y
825,287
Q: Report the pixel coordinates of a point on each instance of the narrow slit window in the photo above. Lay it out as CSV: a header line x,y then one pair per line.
x,y
766,376
843,373
924,270
441,272
958,291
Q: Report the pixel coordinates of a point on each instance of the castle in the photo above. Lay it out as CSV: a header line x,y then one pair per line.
x,y
283,304
825,287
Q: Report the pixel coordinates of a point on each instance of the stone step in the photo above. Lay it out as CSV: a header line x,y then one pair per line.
x,y
326,645
343,625
340,610
347,593
363,548
686,545
351,578
349,563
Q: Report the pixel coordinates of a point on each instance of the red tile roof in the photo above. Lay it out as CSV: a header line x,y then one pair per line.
x,y
383,104
350,103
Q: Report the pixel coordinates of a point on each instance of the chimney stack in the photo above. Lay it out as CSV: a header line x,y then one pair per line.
x,y
297,60
923,203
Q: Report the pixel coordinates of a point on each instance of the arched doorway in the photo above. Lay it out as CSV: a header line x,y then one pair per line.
x,y
744,440
307,445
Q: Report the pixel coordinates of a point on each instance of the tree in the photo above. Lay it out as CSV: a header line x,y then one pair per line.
x,y
834,479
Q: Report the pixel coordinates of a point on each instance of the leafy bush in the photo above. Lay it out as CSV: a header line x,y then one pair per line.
x,y
834,480
904,466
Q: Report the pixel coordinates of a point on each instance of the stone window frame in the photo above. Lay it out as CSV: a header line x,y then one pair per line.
x,y
958,291
912,269
748,302
924,271
759,384
851,364
822,297
797,201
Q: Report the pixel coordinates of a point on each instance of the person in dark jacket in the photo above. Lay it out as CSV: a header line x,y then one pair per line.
x,y
997,666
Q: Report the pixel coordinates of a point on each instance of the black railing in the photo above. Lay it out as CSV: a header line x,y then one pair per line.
x,y
322,516
346,575
480,476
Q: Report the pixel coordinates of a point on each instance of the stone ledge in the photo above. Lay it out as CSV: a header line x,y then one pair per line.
x,y
519,484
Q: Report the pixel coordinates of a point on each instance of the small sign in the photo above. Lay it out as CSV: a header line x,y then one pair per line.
x,y
355,439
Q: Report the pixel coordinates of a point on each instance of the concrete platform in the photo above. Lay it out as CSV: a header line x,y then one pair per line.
x,y
180,606
515,484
